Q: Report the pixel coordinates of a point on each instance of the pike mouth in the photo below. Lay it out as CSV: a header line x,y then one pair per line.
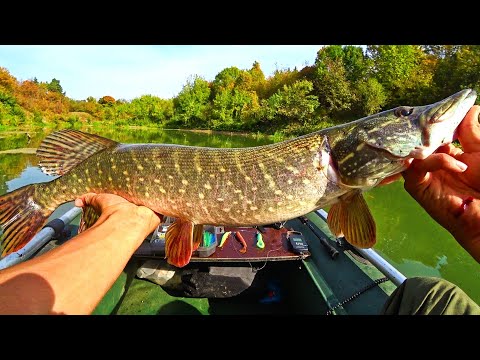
x,y
457,105
442,128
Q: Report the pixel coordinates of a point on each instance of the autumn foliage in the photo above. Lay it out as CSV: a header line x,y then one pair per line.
x,y
341,84
106,100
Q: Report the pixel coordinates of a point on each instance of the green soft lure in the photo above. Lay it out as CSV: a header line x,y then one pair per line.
x,y
260,242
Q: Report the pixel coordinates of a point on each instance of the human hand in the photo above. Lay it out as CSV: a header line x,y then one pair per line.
x,y
125,213
447,185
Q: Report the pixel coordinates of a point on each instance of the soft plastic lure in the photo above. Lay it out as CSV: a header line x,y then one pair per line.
x,y
260,242
242,240
224,238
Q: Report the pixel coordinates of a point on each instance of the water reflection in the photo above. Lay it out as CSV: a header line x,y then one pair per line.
x,y
20,169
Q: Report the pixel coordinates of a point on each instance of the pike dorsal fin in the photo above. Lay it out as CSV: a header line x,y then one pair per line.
x,y
62,150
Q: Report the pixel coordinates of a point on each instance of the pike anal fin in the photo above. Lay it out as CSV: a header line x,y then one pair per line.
x,y
351,218
181,240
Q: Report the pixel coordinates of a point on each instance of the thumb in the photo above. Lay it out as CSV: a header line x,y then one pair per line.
x,y
85,200
469,131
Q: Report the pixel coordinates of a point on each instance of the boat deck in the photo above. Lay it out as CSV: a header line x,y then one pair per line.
x,y
278,281
310,284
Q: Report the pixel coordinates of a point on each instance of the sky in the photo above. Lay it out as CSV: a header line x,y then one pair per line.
x,y
130,71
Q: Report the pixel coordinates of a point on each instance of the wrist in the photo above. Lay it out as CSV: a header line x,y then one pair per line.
x,y
466,230
137,221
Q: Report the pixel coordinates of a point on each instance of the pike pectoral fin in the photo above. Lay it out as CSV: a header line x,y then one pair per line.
x,y
334,219
352,218
179,242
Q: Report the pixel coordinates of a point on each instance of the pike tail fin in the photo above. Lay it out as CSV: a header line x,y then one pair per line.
x,y
20,219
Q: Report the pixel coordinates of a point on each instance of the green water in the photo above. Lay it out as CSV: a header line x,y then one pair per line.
x,y
407,236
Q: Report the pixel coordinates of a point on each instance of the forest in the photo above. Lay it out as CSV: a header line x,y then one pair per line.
x,y
345,82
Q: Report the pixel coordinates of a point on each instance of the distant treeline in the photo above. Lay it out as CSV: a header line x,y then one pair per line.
x,y
344,83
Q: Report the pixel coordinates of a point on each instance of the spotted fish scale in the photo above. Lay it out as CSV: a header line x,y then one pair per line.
x,y
248,186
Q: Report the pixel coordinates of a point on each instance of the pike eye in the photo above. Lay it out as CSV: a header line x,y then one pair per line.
x,y
403,111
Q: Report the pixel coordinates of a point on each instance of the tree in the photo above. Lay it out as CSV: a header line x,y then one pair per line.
x,y
229,79
107,100
441,51
334,90
55,86
356,63
229,105
7,81
192,103
292,104
457,69
151,108
277,81
257,76
401,71
371,97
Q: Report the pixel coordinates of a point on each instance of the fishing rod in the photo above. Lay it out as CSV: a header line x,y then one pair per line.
x,y
331,250
376,259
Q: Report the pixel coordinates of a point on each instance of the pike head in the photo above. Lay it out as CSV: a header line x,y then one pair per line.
x,y
366,151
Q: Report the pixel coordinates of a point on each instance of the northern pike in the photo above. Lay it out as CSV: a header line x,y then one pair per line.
x,y
238,186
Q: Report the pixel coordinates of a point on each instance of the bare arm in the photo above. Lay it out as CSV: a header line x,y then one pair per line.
x,y
74,277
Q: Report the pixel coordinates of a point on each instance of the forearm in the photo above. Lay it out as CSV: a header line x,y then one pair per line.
x,y
72,278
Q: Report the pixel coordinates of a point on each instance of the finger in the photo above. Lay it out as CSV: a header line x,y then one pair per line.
x,y
390,179
414,176
469,131
419,171
85,199
449,149
440,161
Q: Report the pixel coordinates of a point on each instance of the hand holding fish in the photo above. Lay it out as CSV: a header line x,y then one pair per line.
x,y
447,185
142,218
50,283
